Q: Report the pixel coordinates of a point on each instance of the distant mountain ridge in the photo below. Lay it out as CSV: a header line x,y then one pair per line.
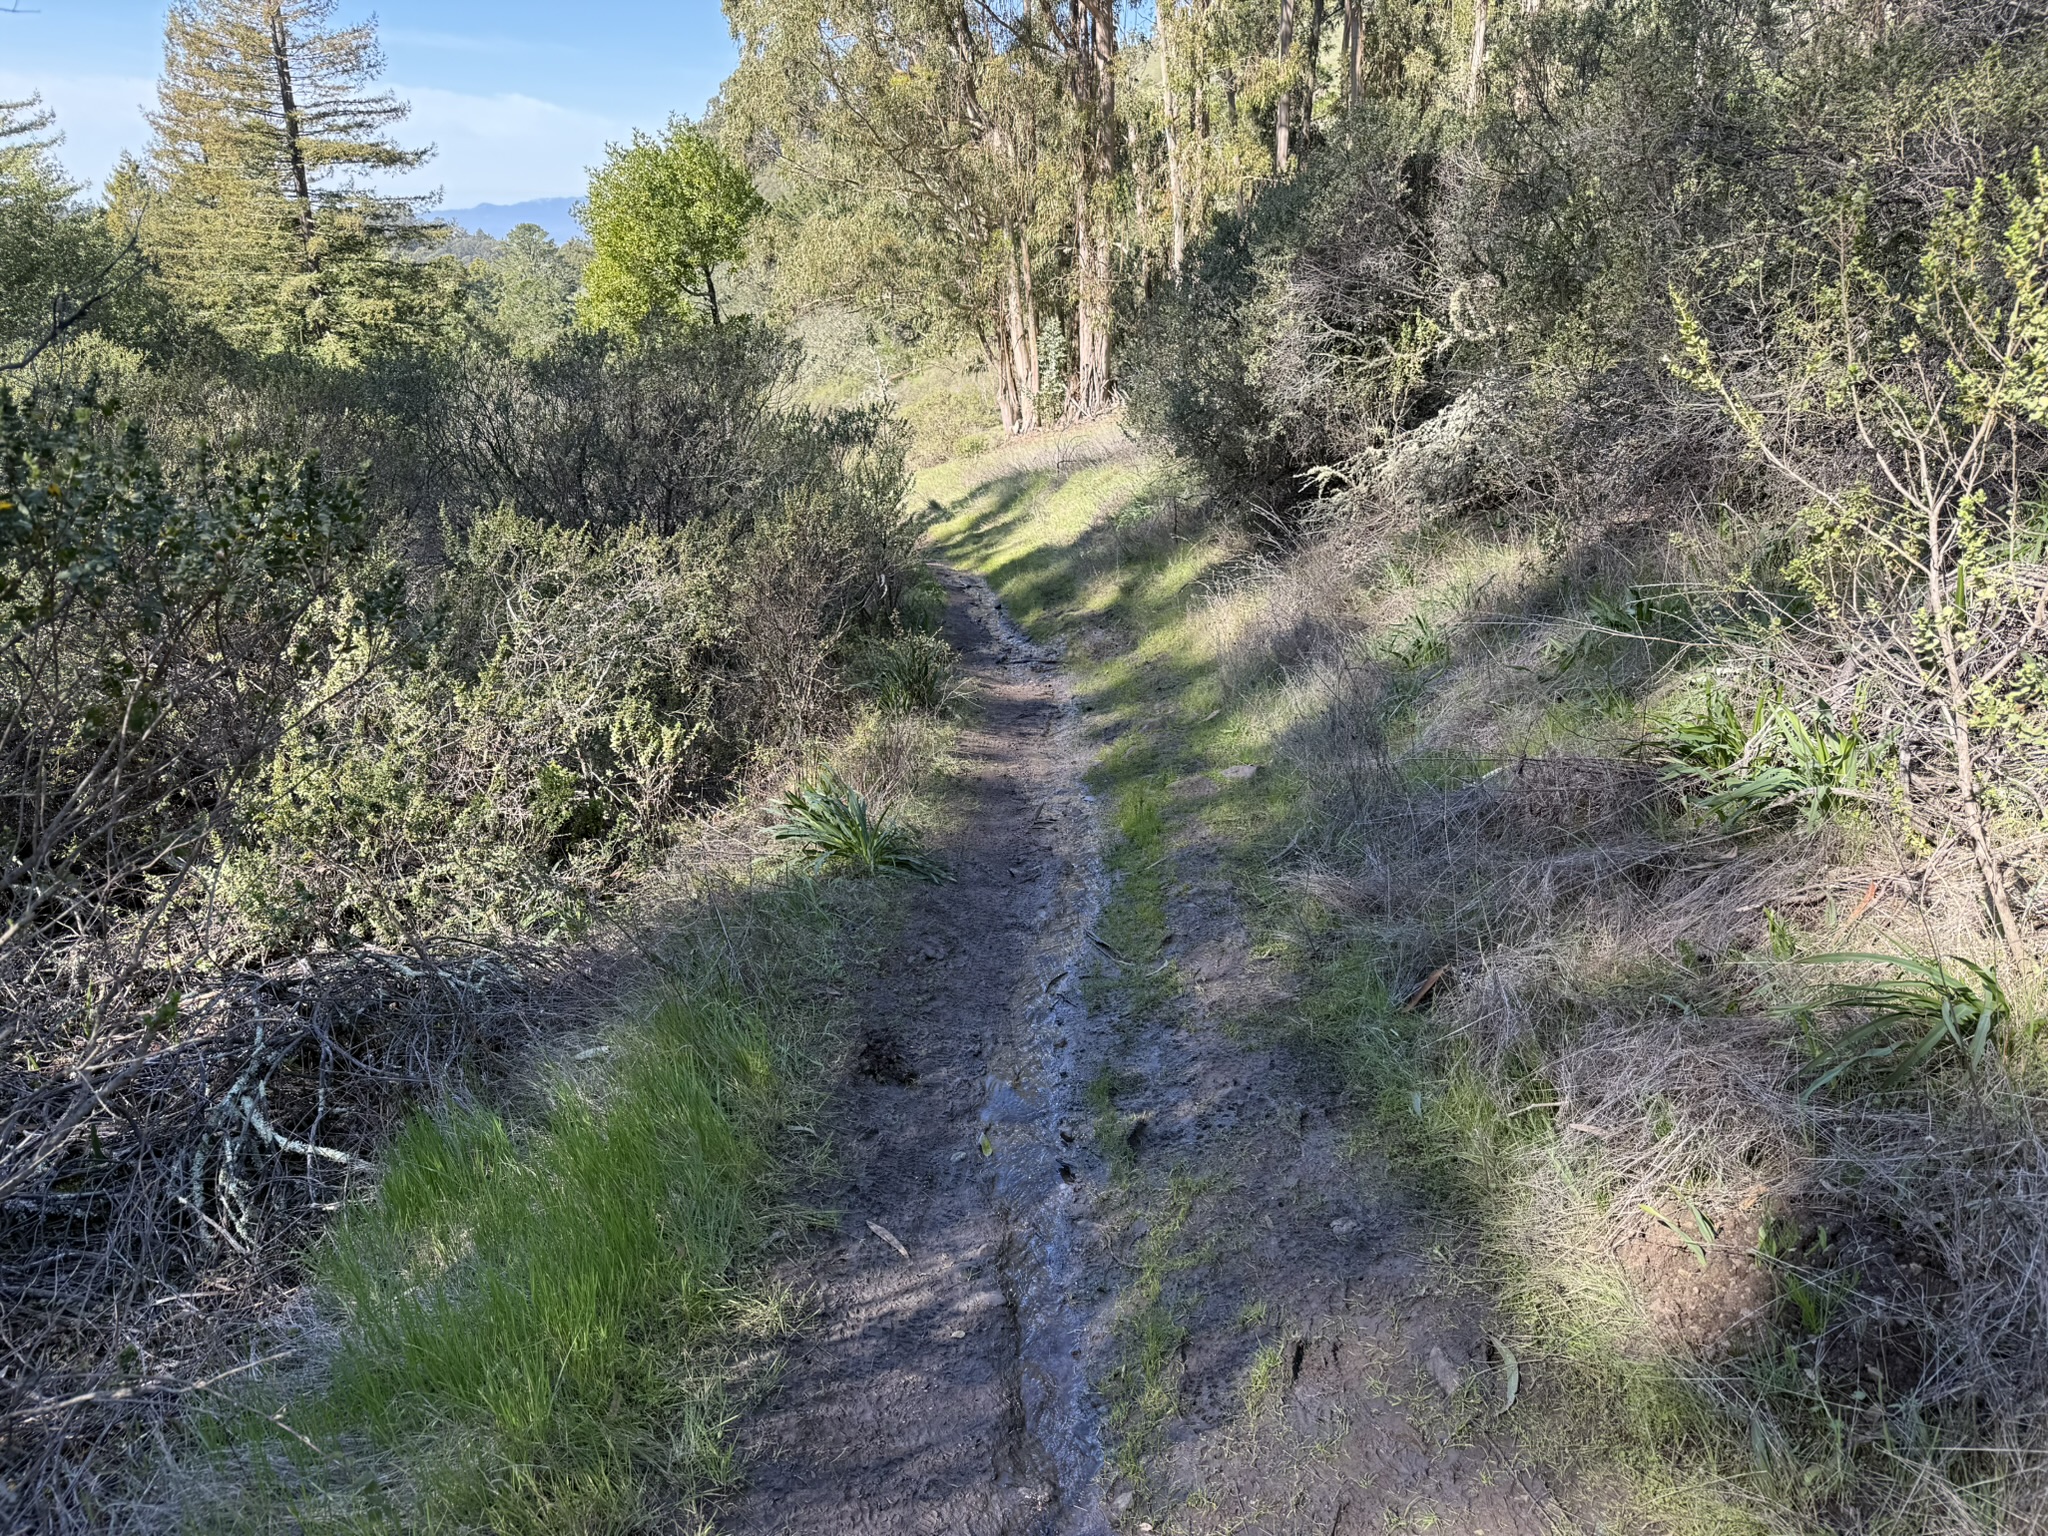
x,y
553,214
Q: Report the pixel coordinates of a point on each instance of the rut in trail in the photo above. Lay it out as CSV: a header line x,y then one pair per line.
x,y
948,1391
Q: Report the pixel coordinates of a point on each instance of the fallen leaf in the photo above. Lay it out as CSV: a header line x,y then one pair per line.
x,y
1441,1370
988,1146
1869,900
1511,1369
1414,999
890,1238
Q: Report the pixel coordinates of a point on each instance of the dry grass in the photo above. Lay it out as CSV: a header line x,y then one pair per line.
x,y
1837,1296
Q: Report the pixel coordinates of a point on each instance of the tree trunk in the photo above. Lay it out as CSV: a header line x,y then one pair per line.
x,y
1095,72
1354,48
1475,80
1176,218
281,56
995,348
1283,148
1315,59
1030,307
1020,343
1942,585
711,293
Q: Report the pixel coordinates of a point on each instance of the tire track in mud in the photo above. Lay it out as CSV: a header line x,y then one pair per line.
x,y
949,1390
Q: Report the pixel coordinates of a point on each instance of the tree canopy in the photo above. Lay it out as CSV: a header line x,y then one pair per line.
x,y
264,219
664,213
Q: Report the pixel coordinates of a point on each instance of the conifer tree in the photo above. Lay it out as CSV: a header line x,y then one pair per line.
x,y
266,225
58,261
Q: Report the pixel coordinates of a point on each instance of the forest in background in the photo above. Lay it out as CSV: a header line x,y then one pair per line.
x,y
1652,391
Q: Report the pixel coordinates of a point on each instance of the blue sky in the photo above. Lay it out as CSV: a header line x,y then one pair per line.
x,y
519,96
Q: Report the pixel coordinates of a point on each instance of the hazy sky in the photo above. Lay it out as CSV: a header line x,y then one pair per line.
x,y
519,96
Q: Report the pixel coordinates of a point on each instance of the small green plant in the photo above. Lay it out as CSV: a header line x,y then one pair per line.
x,y
1814,1295
1639,614
1698,1245
1416,644
1929,1006
1745,769
907,671
831,825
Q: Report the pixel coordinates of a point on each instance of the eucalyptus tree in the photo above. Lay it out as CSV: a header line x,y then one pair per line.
x,y
915,145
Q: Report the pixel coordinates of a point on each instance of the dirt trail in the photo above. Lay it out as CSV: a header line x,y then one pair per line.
x,y
1318,1374
947,1391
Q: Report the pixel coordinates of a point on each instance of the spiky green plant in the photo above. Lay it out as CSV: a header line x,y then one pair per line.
x,y
1927,1007
1775,760
831,825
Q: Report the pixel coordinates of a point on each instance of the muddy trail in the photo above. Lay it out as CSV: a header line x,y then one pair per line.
x,y
1104,1264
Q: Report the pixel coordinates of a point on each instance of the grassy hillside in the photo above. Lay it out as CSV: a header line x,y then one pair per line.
x,y
1753,1213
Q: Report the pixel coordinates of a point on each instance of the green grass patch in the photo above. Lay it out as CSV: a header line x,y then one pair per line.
x,y
519,1305
551,1311
1143,1388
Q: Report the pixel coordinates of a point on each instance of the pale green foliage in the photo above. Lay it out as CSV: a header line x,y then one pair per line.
x,y
261,217
154,624
52,248
526,290
663,214
557,722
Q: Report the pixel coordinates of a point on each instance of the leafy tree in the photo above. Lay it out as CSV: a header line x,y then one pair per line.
x,y
919,148
263,223
527,288
663,214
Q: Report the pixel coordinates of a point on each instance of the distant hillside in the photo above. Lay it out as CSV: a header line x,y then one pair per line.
x,y
497,219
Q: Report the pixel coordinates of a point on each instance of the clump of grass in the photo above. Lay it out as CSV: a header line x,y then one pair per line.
x,y
515,1304
1775,760
1947,1005
832,826
912,670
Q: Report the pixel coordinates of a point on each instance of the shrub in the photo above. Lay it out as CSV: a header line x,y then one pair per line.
x,y
906,671
158,621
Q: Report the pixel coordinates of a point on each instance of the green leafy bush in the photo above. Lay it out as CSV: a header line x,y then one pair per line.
x,y
156,622
906,671
1775,759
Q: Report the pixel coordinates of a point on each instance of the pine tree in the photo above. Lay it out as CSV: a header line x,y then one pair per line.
x,y
265,224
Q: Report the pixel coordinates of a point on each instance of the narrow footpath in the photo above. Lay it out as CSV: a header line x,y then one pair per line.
x,y
1111,1256
943,1387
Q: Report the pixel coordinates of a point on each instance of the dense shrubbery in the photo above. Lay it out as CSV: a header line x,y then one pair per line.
x,y
258,723
160,623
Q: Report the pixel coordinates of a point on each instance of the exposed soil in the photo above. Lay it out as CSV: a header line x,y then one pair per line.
x,y
1326,1378
945,1391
